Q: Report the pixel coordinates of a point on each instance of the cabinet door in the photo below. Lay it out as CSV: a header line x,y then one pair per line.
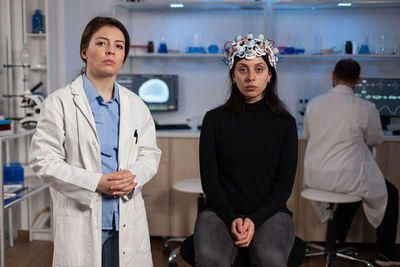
x,y
184,162
308,225
156,194
387,157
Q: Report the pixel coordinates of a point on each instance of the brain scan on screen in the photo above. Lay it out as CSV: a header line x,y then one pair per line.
x,y
154,91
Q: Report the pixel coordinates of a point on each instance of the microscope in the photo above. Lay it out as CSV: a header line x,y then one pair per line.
x,y
32,103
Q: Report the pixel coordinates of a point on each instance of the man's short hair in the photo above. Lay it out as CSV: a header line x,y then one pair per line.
x,y
347,70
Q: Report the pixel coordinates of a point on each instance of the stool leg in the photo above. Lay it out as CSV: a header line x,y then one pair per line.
x,y
201,203
330,249
354,259
173,254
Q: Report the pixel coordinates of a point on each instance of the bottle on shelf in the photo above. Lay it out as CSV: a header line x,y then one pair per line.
x,y
349,47
38,22
364,48
381,46
150,47
163,45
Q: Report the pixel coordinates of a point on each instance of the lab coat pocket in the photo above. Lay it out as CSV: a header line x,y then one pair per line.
x,y
72,238
133,151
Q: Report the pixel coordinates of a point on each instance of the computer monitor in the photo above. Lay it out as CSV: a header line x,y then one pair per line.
x,y
383,92
158,91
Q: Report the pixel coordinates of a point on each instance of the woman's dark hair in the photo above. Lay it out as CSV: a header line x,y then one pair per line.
x,y
236,100
94,25
347,70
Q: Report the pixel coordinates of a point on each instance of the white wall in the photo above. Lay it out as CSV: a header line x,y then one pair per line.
x,y
203,83
77,15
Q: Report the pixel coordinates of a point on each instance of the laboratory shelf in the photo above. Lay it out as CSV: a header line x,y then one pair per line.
x,y
282,58
338,56
192,5
176,55
38,68
32,186
318,5
36,35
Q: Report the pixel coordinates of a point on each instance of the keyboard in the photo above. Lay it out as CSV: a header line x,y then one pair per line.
x,y
179,126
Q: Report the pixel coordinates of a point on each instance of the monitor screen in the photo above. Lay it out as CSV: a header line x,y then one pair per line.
x,y
158,91
383,92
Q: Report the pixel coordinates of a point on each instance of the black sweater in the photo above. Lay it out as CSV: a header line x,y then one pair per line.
x,y
248,165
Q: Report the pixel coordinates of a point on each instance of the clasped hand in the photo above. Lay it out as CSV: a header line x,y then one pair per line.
x,y
117,184
242,231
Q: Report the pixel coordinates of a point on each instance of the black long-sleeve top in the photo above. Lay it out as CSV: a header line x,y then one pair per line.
x,y
248,164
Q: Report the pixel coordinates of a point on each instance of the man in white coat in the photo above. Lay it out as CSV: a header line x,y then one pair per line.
x,y
340,127
95,146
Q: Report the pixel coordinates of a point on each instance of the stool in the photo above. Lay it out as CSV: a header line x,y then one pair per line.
x,y
190,185
331,198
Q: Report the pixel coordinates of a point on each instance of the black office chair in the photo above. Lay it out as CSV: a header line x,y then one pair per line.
x,y
295,258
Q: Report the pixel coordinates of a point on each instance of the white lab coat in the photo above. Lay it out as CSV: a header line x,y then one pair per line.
x,y
339,127
65,154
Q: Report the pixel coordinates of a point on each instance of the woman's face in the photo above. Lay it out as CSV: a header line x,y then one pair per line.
x,y
251,77
105,53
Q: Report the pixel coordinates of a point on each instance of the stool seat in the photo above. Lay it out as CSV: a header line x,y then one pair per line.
x,y
328,196
190,185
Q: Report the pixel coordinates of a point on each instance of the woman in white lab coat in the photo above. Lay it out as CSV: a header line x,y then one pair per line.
x,y
69,153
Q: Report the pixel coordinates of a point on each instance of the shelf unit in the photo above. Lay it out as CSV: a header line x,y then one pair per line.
x,y
196,6
192,5
32,185
37,44
176,55
342,8
285,57
319,5
268,8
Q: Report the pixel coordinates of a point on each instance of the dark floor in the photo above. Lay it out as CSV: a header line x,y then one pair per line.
x,y
39,254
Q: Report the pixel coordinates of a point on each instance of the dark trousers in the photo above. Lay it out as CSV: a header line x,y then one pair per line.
x,y
386,231
109,251
270,246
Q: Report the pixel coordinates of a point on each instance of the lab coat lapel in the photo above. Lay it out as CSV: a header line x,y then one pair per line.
x,y
126,120
81,102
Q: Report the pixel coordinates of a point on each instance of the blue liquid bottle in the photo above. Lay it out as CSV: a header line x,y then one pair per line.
x,y
38,22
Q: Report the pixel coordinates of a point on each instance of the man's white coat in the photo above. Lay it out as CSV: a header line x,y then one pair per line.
x,y
339,127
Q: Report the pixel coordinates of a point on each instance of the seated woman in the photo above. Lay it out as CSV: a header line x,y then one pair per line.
x,y
248,160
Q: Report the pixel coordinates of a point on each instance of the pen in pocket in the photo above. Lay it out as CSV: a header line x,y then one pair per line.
x,y
136,136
